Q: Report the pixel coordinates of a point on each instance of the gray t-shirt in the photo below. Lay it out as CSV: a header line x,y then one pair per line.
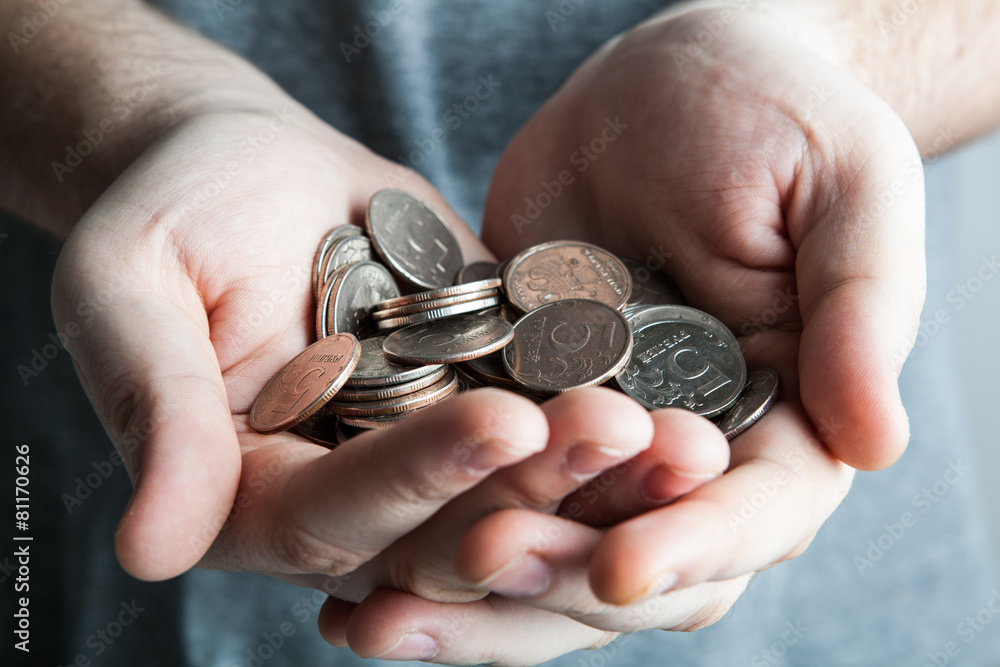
x,y
869,590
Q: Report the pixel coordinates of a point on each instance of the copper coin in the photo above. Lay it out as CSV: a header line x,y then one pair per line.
x,y
476,271
375,370
305,383
567,344
372,423
434,295
344,252
438,313
320,428
435,393
353,394
319,259
356,290
412,239
449,340
433,305
651,288
683,358
759,394
566,270
345,432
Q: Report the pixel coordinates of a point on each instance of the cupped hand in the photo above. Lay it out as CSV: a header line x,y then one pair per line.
x,y
783,197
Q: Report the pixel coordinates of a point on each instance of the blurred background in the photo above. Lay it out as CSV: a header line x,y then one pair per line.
x,y
976,172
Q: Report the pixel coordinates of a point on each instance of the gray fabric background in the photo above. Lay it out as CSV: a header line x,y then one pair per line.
x,y
909,603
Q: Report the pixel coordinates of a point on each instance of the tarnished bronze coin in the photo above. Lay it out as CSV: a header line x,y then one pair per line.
x,y
566,270
344,252
356,394
433,305
438,391
476,271
759,394
682,358
449,340
375,370
305,383
445,292
567,344
438,313
319,259
355,291
412,239
651,288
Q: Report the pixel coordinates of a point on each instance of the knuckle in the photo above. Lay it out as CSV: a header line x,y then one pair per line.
x,y
305,552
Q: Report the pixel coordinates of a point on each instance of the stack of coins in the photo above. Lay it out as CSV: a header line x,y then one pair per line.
x,y
558,316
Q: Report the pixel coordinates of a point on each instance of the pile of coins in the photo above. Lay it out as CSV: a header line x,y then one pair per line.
x,y
558,316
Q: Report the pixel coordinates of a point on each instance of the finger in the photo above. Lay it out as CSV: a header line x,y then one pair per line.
x,y
393,625
861,285
543,561
151,372
781,487
589,431
328,512
686,452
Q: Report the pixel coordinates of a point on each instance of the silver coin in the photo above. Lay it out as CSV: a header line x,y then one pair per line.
x,y
476,271
759,394
372,423
568,344
347,251
375,370
323,308
682,358
651,288
412,239
566,270
445,292
432,305
489,370
352,394
319,259
345,432
356,290
438,313
449,340
427,396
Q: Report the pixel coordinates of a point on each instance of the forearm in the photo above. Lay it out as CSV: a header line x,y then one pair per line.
x,y
85,86
935,63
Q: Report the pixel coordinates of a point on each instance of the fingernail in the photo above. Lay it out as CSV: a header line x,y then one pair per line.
x,y
526,577
413,646
586,461
492,454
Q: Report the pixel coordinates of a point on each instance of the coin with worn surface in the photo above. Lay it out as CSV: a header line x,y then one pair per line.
x,y
682,358
319,259
567,344
355,394
320,428
438,391
759,394
375,370
347,251
438,313
432,305
651,288
445,292
449,340
356,290
476,271
566,270
412,239
305,383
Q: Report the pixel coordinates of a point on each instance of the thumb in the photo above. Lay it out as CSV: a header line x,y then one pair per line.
x,y
149,368
861,282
